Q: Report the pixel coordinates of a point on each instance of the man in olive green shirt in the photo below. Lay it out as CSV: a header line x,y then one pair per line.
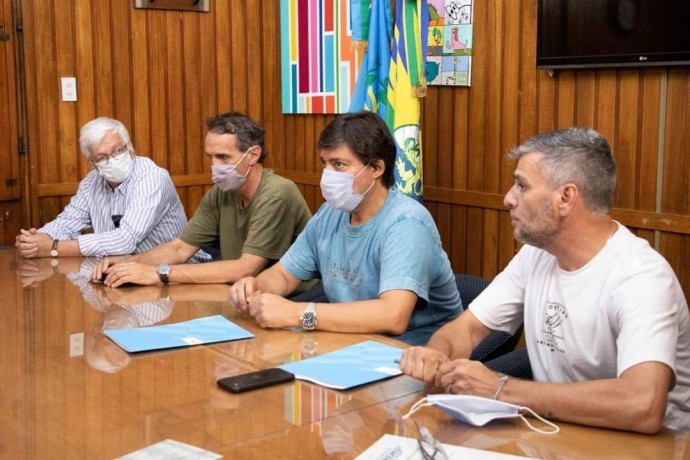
x,y
251,212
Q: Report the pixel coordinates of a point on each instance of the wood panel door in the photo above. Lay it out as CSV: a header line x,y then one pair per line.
x,y
10,208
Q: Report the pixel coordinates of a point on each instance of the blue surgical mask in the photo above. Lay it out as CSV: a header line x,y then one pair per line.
x,y
227,178
337,189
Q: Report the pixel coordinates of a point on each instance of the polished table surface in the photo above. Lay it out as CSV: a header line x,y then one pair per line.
x,y
69,392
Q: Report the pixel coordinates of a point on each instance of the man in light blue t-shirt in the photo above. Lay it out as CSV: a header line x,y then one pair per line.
x,y
377,251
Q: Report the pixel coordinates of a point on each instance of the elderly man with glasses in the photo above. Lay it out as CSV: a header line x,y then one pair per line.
x,y
127,200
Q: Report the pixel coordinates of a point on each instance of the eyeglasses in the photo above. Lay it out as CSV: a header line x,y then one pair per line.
x,y
102,160
429,446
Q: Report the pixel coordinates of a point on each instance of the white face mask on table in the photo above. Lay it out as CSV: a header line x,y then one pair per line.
x,y
478,411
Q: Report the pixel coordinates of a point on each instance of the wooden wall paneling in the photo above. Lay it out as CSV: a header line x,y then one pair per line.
x,y
566,105
254,56
175,93
239,68
10,221
225,64
86,80
444,223
461,133
625,141
444,136
677,170
457,247
9,158
429,138
193,115
585,99
476,108
193,195
270,83
683,269
296,160
46,93
511,106
492,114
285,149
489,248
31,86
67,150
140,129
156,42
474,240
103,37
528,107
121,80
676,159
546,103
507,245
205,73
648,134
514,110
606,106
309,136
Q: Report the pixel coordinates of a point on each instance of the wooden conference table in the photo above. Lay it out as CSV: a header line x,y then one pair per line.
x,y
69,393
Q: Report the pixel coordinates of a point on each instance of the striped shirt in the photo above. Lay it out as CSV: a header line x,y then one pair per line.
x,y
151,212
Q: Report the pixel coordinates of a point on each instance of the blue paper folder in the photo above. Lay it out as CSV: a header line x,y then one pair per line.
x,y
209,329
349,367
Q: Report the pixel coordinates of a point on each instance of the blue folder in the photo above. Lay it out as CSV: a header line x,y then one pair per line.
x,y
355,365
209,329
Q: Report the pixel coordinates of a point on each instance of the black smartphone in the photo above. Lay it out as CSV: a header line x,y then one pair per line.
x,y
255,380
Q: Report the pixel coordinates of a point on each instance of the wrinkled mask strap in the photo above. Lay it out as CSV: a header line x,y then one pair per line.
x,y
555,427
416,406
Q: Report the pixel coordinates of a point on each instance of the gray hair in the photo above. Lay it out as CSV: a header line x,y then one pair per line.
x,y
579,156
94,131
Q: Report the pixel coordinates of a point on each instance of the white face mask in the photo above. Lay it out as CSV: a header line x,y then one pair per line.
x,y
226,176
337,189
118,168
478,411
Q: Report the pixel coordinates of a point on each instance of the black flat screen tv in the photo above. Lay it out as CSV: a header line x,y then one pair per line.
x,y
612,33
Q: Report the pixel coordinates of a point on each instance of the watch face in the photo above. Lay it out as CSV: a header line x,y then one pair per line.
x,y
309,320
163,272
53,253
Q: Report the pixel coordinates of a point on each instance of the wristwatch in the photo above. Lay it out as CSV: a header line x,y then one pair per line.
x,y
309,317
163,272
54,251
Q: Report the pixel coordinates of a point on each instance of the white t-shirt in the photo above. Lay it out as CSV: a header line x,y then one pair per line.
x,y
623,308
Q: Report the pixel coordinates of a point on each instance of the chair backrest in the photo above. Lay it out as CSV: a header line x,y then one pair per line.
x,y
469,286
497,343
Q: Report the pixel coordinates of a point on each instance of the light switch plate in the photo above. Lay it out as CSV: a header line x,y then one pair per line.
x,y
69,89
76,344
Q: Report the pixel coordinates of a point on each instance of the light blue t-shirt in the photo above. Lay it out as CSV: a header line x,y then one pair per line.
x,y
398,248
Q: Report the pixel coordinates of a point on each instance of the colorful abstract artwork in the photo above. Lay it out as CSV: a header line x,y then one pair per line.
x,y
449,45
318,57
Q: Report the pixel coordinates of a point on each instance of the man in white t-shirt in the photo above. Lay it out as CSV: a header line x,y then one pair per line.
x,y
606,322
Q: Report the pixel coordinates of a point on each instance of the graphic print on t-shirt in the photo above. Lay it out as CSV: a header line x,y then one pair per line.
x,y
554,316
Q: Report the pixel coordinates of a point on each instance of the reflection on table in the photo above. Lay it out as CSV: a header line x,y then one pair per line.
x,y
56,403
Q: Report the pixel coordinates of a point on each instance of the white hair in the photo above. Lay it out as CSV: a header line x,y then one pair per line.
x,y
94,131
